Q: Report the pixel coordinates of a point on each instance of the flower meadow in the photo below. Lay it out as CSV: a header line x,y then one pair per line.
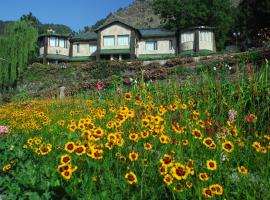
x,y
201,140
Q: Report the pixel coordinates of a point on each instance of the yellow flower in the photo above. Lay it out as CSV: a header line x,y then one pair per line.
x,y
131,178
197,134
163,170
6,167
145,122
147,146
65,159
216,189
167,160
185,142
228,146
209,143
66,174
203,176
164,139
184,106
70,147
211,165
80,150
179,172
128,96
189,184
207,193
133,156
242,170
168,179
61,122
134,137
72,127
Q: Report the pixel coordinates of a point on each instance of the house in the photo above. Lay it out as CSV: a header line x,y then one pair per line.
x,y
118,41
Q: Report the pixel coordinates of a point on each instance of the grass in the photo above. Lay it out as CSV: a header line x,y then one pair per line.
x,y
151,142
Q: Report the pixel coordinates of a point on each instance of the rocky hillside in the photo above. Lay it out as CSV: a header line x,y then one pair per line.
x,y
138,14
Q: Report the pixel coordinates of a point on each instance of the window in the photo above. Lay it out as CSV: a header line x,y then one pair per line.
x,y
62,43
53,42
205,36
187,37
78,48
170,44
93,48
151,45
108,41
57,42
122,40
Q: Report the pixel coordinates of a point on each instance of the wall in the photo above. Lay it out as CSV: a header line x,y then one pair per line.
x,y
116,29
84,49
163,46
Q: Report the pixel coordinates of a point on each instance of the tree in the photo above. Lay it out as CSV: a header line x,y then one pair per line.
x,y
32,19
18,46
181,14
253,18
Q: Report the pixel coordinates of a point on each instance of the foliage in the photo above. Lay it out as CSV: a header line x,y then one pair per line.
x,y
31,19
181,14
121,145
20,45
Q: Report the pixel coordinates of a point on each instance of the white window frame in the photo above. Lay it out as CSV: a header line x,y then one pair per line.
x,y
123,36
91,46
154,43
61,42
106,37
53,44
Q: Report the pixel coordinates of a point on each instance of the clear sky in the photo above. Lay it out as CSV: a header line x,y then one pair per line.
x,y
74,13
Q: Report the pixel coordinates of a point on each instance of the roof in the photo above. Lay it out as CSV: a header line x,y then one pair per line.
x,y
55,35
84,36
114,51
155,32
114,22
198,28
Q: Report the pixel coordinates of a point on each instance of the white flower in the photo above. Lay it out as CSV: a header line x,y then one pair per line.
x,y
215,69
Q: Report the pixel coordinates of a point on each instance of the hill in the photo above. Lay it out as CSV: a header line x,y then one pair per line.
x,y
138,14
42,28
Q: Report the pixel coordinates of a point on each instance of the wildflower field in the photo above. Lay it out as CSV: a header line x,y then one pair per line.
x,y
204,138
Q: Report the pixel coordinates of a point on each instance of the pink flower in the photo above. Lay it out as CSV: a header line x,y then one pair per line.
x,y
100,86
3,130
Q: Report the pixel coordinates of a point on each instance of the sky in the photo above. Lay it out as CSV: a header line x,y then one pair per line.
x,y
74,13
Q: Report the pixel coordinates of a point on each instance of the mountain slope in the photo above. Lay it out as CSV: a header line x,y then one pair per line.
x,y
138,14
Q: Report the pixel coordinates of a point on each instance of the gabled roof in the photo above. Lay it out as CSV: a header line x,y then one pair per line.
x,y
55,35
114,22
84,36
155,32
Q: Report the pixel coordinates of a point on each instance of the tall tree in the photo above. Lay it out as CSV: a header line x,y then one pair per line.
x,y
253,18
180,14
31,18
17,48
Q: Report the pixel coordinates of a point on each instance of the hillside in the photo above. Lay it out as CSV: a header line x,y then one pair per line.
x,y
138,14
45,80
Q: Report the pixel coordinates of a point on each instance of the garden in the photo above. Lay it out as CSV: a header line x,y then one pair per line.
x,y
205,137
